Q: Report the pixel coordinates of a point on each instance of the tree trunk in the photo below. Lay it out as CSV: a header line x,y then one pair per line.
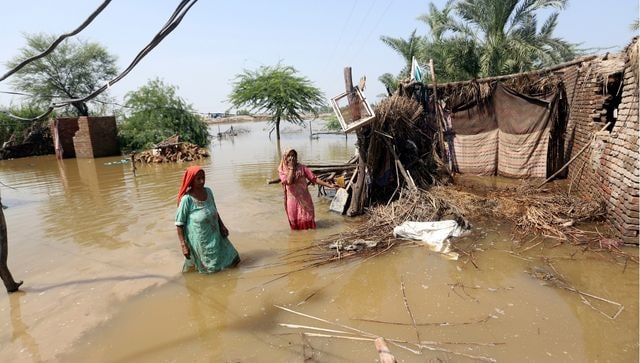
x,y
5,274
82,108
278,127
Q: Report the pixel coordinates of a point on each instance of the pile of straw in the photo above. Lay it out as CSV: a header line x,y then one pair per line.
x,y
551,214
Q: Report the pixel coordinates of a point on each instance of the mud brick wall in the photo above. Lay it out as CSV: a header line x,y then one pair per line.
x,y
67,128
609,166
96,137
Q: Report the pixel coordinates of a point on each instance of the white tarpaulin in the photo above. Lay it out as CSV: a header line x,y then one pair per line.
x,y
433,234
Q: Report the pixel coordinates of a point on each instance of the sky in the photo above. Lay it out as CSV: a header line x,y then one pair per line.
x,y
217,40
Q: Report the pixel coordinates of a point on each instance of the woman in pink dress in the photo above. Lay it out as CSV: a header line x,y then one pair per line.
x,y
297,200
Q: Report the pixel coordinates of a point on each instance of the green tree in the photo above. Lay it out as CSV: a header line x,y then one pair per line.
x,y
11,126
277,90
407,48
509,38
72,70
156,113
481,38
454,53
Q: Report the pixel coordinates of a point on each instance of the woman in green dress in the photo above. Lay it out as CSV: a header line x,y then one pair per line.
x,y
202,235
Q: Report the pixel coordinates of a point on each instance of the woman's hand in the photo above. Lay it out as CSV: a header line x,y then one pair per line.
x,y
328,184
183,244
185,251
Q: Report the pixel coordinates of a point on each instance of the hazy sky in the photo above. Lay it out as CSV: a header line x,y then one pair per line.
x,y
218,39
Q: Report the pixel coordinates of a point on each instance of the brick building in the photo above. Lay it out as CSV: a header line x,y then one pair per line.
x,y
600,128
86,137
603,125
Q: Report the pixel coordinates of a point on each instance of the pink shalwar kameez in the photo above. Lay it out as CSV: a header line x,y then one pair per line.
x,y
297,199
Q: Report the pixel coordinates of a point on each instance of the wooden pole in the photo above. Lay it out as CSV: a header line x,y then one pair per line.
x,y
514,75
354,103
357,200
384,353
573,158
435,106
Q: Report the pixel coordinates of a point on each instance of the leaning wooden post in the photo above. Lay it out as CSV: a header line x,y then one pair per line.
x,y
5,274
439,117
354,103
384,353
356,205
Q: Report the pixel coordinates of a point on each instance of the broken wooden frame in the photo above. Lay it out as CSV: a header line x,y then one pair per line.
x,y
352,110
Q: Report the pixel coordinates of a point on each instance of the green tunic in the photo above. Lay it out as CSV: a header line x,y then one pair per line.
x,y
210,250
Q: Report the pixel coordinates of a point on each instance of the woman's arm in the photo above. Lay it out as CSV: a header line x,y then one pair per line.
x,y
314,179
223,229
325,184
183,242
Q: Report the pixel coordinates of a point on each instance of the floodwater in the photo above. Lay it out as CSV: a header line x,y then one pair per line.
x,y
99,254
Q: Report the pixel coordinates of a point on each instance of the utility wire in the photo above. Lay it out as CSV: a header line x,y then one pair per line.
x,y
170,25
57,41
339,40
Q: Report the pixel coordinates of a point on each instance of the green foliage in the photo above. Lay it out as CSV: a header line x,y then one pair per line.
x,y
481,38
10,126
325,108
279,91
72,70
511,40
332,122
390,81
156,113
243,112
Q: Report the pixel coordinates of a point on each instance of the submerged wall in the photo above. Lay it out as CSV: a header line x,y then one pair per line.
x,y
88,137
608,164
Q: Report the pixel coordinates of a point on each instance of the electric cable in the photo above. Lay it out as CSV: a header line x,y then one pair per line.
x,y
57,41
173,22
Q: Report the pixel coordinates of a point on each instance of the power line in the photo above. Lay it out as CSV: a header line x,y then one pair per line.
x,y
57,41
173,22
335,45
384,12
364,19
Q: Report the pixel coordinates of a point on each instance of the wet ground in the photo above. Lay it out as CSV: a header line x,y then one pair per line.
x,y
98,251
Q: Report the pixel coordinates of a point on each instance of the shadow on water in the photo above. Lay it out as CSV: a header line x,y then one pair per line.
x,y
92,282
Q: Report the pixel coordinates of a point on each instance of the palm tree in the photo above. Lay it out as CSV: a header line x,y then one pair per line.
x,y
455,55
278,91
506,31
438,21
481,38
407,48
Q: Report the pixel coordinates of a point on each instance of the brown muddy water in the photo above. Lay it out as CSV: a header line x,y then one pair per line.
x,y
98,251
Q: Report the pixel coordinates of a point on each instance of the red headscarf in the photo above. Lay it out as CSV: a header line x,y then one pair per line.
x,y
187,179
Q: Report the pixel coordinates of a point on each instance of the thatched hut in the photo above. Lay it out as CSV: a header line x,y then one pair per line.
x,y
577,120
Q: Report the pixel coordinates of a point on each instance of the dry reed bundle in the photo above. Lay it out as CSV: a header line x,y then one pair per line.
x,y
375,235
550,214
401,134
535,85
464,93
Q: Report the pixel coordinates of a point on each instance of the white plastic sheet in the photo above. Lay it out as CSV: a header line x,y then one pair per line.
x,y
433,234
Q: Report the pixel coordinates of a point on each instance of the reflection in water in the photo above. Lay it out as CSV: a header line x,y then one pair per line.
x,y
210,311
20,331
